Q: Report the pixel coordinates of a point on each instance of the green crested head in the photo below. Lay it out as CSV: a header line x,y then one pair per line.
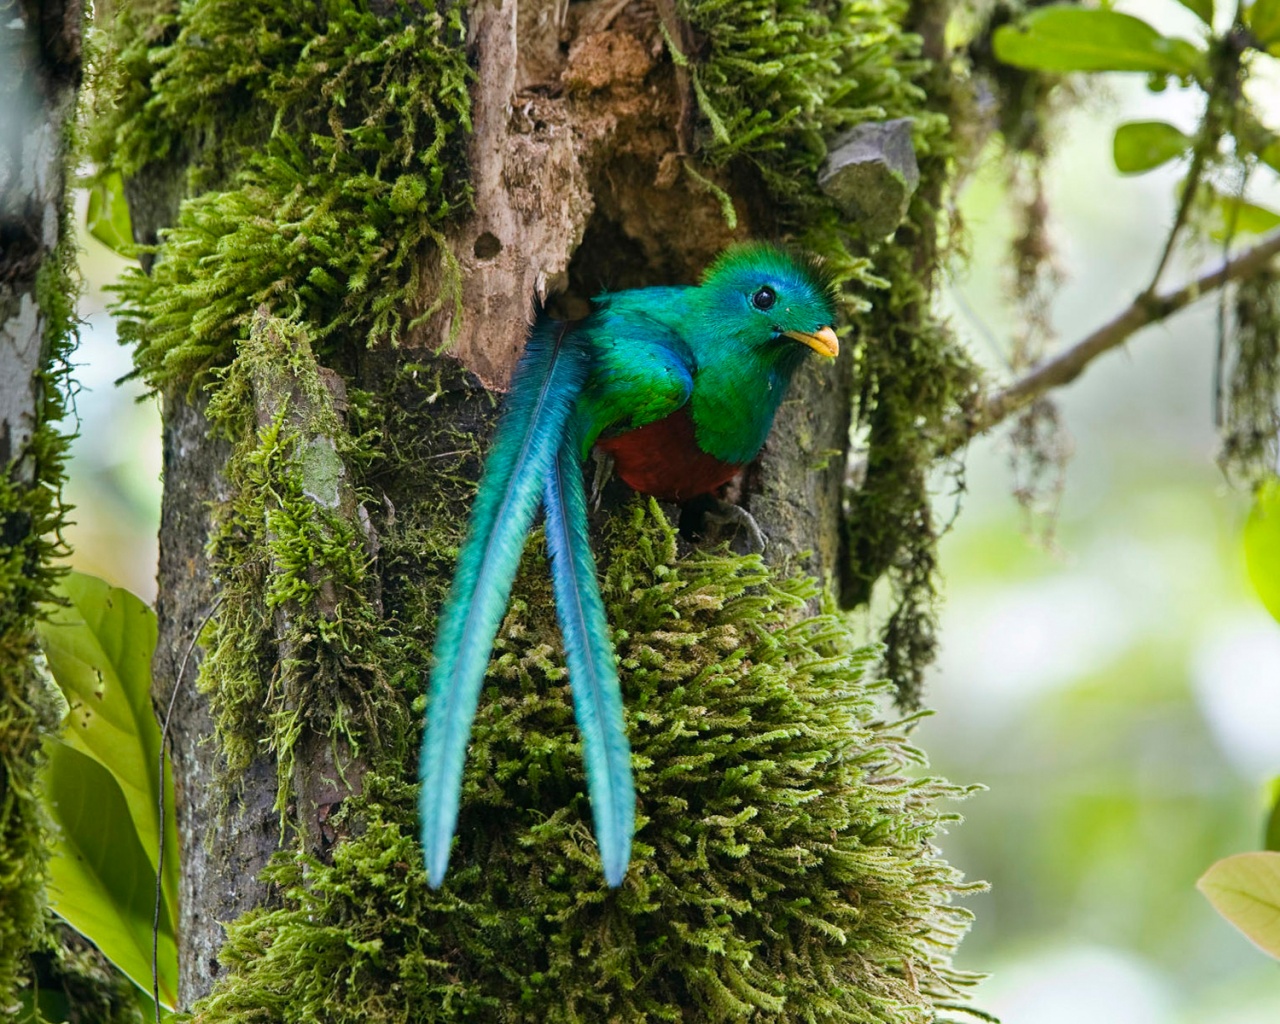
x,y
764,297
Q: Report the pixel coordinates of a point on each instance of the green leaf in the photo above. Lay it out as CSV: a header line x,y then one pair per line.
x,y
98,646
1271,840
108,217
1245,889
1142,145
1263,19
1202,9
1262,542
101,882
1071,38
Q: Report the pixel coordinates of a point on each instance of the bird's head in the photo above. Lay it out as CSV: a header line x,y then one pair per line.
x,y
772,301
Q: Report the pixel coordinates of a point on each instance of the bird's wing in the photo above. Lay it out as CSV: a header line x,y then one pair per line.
x,y
593,676
642,371
548,379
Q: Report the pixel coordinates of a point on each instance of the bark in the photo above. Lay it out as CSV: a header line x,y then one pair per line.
x,y
222,853
40,62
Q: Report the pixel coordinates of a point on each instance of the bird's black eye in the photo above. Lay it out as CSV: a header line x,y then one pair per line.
x,y
764,298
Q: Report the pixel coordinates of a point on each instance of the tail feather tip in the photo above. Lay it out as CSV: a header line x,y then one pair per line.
x,y
615,866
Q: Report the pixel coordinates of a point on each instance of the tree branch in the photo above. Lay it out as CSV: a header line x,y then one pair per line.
x,y
1068,365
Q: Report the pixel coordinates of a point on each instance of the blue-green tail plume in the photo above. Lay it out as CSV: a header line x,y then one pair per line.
x,y
548,379
597,697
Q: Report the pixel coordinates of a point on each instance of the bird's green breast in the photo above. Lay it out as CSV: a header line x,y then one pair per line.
x,y
656,350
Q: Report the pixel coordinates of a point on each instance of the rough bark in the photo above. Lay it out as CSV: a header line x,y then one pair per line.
x,y
222,853
576,165
40,58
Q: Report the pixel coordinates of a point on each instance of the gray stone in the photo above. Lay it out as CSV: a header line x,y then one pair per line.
x,y
871,173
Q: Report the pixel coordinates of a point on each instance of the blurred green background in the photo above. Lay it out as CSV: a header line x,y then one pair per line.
x,y
1117,690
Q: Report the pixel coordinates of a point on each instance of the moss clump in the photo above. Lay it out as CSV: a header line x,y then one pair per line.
x,y
31,519
915,374
335,137
777,81
783,867
296,641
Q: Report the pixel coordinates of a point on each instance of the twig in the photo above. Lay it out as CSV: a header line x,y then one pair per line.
x,y
680,37
1068,365
1189,189
164,734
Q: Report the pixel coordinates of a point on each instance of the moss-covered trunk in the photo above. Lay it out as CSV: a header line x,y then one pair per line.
x,y
40,66
355,207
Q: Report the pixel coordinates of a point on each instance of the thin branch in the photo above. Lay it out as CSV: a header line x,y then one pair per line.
x,y
1190,187
1068,365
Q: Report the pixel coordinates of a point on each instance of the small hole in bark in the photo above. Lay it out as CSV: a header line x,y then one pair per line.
x,y
487,246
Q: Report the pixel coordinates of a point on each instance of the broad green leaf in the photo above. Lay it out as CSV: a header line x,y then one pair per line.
x,y
1202,9
1262,543
1142,145
1263,19
101,882
1071,38
98,647
108,217
1245,889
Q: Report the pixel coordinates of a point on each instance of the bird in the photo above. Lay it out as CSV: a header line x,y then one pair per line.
x,y
677,386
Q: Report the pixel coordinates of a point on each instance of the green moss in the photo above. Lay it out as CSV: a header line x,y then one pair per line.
x,y
326,146
783,867
32,515
297,640
914,375
777,81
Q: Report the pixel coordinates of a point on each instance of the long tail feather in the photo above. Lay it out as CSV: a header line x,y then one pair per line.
x,y
547,380
597,698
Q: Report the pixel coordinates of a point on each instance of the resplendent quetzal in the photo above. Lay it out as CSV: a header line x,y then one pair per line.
x,y
679,386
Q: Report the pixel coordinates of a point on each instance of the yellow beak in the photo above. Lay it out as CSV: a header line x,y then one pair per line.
x,y
824,342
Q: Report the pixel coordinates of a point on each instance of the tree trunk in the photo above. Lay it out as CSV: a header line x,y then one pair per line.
x,y
312,505
40,60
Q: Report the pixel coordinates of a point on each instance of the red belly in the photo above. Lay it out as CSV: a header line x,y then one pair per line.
x,y
664,460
